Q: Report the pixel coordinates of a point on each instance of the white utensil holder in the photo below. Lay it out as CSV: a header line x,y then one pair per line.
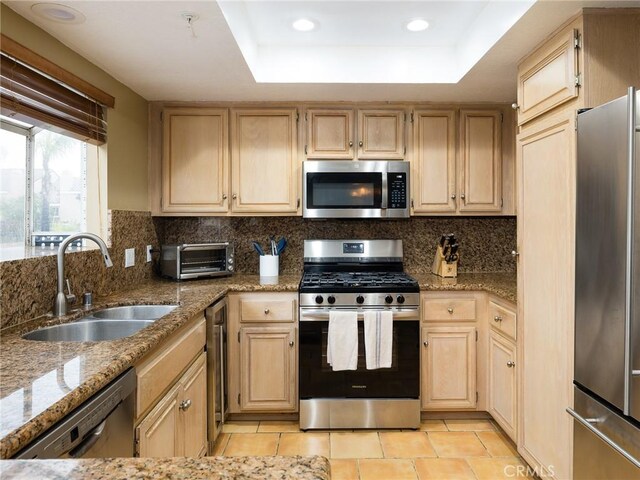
x,y
269,265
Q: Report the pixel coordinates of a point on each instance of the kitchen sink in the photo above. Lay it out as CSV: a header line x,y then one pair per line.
x,y
108,324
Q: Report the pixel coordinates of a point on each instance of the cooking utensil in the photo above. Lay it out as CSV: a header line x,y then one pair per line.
x,y
258,248
281,245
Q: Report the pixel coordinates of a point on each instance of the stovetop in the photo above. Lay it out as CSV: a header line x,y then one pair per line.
x,y
380,281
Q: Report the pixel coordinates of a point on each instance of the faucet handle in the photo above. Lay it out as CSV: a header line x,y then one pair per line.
x,y
71,298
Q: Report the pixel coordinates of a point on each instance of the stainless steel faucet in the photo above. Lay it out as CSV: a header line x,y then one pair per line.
x,y
60,307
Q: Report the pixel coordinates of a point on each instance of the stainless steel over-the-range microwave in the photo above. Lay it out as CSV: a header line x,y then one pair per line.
x,y
196,260
355,189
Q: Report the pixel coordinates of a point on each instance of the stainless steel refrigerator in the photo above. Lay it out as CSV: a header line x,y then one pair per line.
x,y
607,314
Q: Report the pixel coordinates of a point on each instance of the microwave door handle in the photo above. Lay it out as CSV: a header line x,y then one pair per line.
x,y
383,203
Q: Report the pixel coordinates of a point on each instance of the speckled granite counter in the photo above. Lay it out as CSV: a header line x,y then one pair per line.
x,y
212,468
41,382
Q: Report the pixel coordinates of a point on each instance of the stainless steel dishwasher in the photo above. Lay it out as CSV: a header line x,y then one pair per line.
x,y
216,316
102,427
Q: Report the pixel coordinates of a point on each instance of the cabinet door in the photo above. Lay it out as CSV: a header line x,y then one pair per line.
x,y
502,383
546,165
448,367
434,161
381,134
547,78
264,161
268,368
193,408
329,134
159,434
195,160
481,161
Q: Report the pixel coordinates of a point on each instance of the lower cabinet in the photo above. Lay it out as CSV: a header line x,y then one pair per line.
x,y
177,425
502,383
448,373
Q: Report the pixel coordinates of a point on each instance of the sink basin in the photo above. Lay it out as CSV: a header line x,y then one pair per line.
x,y
88,331
135,312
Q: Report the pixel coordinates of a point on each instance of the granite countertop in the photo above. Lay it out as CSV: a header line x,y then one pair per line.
x,y
212,468
41,382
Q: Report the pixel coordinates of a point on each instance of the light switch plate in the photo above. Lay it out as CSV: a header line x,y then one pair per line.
x,y
129,257
149,247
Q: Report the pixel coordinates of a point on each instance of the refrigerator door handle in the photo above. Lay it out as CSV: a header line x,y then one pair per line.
x,y
588,425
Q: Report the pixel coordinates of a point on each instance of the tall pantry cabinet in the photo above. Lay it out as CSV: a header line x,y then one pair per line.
x,y
590,60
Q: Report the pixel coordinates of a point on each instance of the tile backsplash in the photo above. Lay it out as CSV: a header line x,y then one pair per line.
x,y
485,242
28,287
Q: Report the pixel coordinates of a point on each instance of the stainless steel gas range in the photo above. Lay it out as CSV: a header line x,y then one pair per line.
x,y
358,276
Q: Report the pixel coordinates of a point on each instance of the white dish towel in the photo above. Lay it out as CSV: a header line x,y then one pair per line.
x,y
342,341
378,338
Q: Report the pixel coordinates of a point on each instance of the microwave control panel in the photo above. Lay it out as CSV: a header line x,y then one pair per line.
x,y
397,190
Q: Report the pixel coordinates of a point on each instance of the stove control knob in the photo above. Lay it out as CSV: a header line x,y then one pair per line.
x,y
388,299
319,299
360,299
400,299
331,299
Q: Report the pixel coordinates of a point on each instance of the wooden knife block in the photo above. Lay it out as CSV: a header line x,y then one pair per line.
x,y
440,266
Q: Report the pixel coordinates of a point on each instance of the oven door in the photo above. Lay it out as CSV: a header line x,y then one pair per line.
x,y
318,380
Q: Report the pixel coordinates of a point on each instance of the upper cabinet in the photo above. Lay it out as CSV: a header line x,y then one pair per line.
x,y
264,161
195,160
330,134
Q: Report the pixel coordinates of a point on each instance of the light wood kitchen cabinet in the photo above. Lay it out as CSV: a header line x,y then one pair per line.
x,y
381,134
264,161
262,354
330,134
195,160
177,425
502,397
502,319
448,374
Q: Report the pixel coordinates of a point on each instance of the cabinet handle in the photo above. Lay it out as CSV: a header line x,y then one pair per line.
x,y
291,343
360,143
515,106
453,196
514,254
497,318
224,196
450,310
425,343
412,203
185,404
234,196
266,311
350,143
462,195
511,364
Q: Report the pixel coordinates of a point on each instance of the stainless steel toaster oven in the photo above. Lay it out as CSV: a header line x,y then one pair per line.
x,y
196,260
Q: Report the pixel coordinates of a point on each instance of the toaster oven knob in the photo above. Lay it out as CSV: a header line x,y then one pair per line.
x,y
230,268
388,299
400,299
331,299
360,299
319,299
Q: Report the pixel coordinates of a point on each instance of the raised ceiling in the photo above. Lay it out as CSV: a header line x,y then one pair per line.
x,y
148,46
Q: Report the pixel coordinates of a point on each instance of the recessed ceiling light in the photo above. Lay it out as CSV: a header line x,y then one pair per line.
x,y
304,25
417,25
58,13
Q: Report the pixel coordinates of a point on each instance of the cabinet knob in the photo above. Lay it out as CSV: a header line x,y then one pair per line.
x,y
515,254
462,195
425,343
511,364
234,196
350,143
185,404
224,196
360,143
453,196
515,106
291,343
266,311
497,318
450,310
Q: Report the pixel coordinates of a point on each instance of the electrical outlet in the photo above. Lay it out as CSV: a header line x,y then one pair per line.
x,y
149,247
129,257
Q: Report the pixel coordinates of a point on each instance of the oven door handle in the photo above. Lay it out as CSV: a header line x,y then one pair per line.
x,y
202,246
323,315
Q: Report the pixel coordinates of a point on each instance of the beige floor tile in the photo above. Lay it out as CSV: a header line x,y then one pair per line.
x,y
469,425
498,468
433,426
457,444
344,469
355,445
406,445
240,427
444,469
254,444
221,443
387,469
304,444
278,427
497,445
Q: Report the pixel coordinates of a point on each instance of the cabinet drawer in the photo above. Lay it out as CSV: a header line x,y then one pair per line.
x,y
267,310
449,309
159,371
502,319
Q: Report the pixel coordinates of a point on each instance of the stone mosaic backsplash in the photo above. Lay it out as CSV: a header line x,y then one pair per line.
x,y
485,242
28,287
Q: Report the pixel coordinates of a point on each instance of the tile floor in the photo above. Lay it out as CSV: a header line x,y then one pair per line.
x,y
442,449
